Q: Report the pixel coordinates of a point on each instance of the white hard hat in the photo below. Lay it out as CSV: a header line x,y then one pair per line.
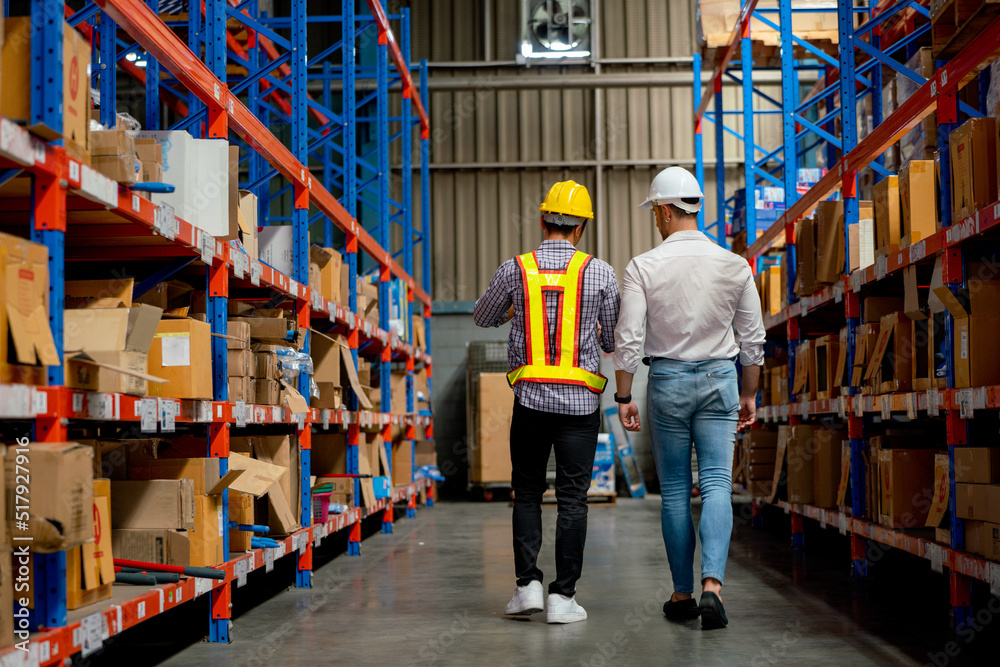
x,y
672,186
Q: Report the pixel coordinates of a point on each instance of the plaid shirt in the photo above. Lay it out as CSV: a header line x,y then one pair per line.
x,y
600,302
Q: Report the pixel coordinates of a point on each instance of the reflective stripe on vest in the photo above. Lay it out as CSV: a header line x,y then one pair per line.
x,y
564,368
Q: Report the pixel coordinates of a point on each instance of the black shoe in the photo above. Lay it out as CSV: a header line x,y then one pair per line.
x,y
713,614
681,610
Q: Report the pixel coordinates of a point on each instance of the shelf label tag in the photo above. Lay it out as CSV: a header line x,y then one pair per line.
x,y
148,413
325,415
240,412
932,402
203,411
268,559
169,410
996,212
91,634
886,406
843,406
241,264
255,271
316,299
39,402
856,279
966,407
842,521
241,568
164,221
838,291
918,251
936,555
206,246
995,579
278,415
911,405
100,406
804,409
202,586
881,267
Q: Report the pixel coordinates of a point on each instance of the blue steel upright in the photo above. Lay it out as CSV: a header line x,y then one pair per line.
x,y
152,82
749,155
699,158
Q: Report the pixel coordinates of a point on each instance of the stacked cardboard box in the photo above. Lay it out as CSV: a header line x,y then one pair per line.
x,y
368,301
279,506
813,459
75,100
829,222
494,407
977,498
976,356
918,201
758,449
329,457
112,152
26,343
805,257
324,272
150,156
888,223
973,167
241,363
181,354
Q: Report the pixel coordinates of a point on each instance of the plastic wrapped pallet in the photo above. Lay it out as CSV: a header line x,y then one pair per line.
x,y
716,19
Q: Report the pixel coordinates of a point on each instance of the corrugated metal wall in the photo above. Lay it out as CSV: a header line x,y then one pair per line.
x,y
482,214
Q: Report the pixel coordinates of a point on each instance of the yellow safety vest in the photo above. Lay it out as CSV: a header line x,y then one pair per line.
x,y
564,369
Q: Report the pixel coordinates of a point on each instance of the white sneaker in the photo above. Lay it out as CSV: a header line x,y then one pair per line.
x,y
527,600
561,609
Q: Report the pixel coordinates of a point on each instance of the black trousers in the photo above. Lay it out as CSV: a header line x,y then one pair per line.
x,y
532,436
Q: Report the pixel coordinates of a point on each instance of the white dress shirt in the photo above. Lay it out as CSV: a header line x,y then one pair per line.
x,y
695,300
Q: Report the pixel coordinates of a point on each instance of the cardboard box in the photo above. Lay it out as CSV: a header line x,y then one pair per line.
x,y
425,454
327,355
90,570
804,385
237,335
888,223
181,353
324,272
284,501
938,515
242,389
980,502
171,547
760,471
977,465
983,539
116,167
490,455
397,384
113,153
267,392
805,256
800,446
203,473
329,453
234,194
106,348
826,351
862,237
26,343
154,503
240,511
268,329
173,296
58,521
402,462
756,439
826,467
891,362
973,146
829,241
875,307
266,366
976,356
274,243
16,76
248,222
206,539
241,363
918,200
199,171
906,485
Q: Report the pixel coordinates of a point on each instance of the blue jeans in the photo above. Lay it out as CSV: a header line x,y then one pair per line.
x,y
694,401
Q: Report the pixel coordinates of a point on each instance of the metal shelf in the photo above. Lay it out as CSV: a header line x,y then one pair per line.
x,y
873,42
66,197
132,605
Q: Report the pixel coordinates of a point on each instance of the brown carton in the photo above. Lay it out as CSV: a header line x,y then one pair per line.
x,y
973,167
826,468
324,272
977,465
918,200
829,241
155,545
888,226
980,502
976,355
106,348
60,520
181,353
906,483
26,343
983,539
154,503
494,409
805,257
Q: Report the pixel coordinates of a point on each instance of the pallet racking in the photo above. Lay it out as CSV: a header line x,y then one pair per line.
x,y
873,40
80,215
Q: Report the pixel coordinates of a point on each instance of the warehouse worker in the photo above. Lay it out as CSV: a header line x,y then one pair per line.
x,y
688,296
559,297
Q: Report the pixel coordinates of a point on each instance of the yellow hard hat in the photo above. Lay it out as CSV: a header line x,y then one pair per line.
x,y
568,198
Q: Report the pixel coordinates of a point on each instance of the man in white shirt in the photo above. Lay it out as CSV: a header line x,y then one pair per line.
x,y
698,307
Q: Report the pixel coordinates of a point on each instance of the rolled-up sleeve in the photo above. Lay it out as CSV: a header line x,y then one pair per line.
x,y
491,308
631,321
748,322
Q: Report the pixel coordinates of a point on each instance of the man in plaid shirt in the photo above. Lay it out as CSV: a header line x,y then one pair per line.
x,y
564,305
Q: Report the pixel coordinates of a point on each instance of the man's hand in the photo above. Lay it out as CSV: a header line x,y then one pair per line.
x,y
628,415
748,412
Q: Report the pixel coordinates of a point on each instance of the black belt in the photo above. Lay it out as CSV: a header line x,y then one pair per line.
x,y
649,360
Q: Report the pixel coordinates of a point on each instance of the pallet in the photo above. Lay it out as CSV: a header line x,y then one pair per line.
x,y
592,498
956,23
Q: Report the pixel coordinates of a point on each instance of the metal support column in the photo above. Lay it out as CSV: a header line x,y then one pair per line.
x,y
699,158
720,166
152,82
749,155
107,31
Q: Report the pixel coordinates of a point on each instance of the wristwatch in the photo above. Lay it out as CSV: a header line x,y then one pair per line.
x,y
623,399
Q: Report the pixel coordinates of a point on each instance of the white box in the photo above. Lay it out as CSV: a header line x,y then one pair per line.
x,y
274,245
199,171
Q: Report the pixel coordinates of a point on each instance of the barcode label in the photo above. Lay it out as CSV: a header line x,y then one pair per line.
x,y
164,221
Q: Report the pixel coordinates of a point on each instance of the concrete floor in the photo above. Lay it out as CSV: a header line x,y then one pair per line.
x,y
434,593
